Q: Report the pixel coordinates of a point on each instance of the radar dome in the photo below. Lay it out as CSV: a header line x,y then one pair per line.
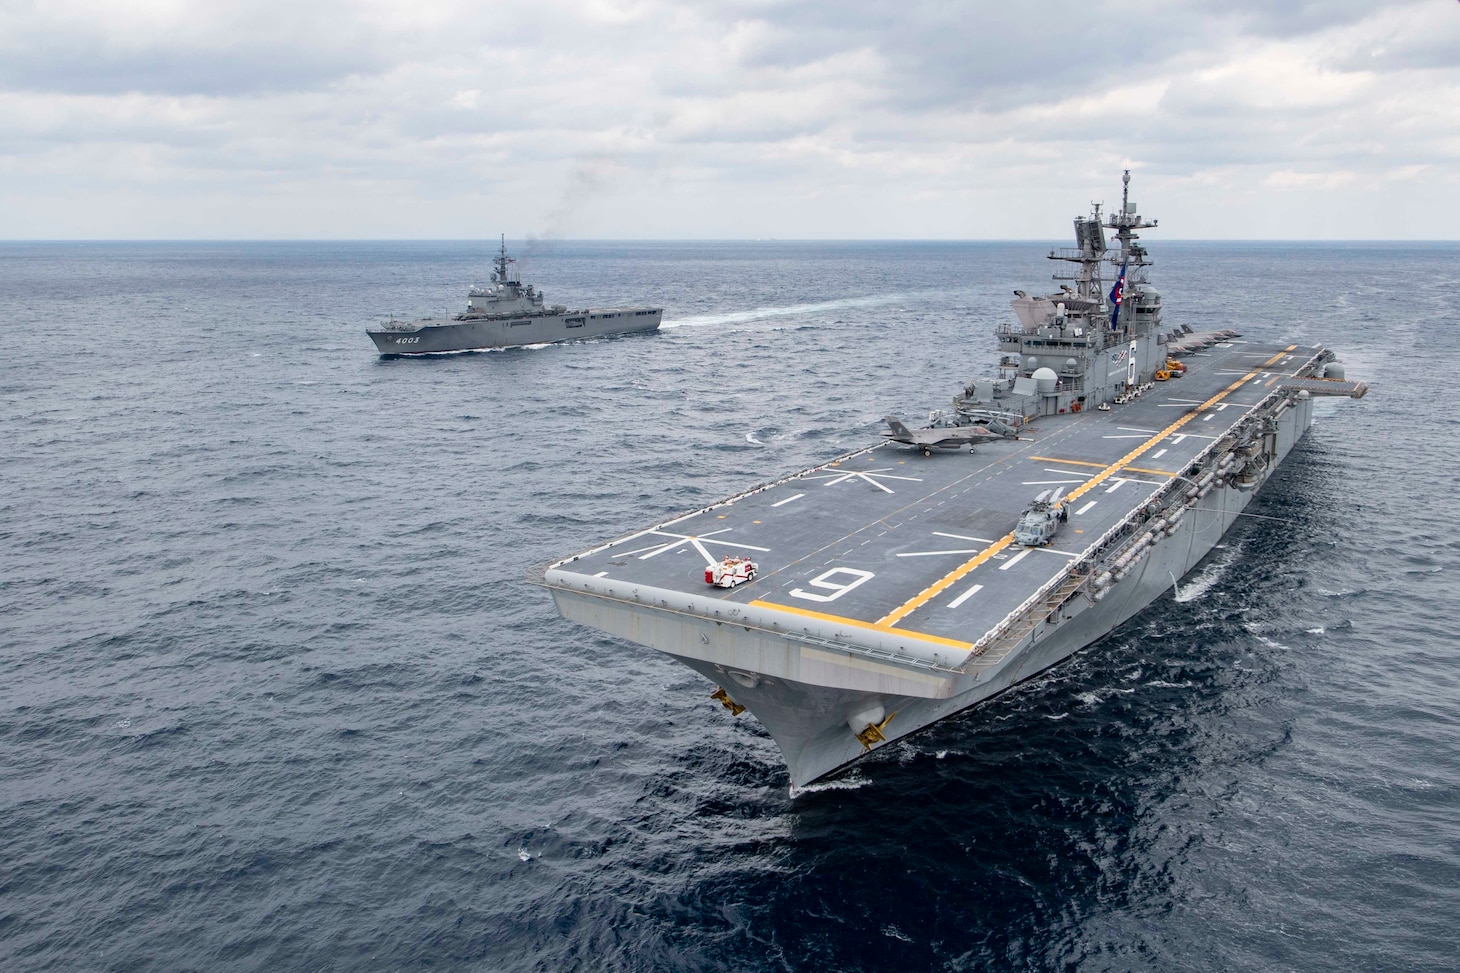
x,y
1045,378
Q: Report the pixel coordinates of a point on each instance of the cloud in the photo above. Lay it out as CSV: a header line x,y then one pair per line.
x,y
724,117
217,48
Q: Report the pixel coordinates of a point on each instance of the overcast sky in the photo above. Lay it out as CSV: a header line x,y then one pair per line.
x,y
436,119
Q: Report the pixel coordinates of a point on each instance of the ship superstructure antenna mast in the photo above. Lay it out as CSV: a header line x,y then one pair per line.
x,y
502,276
1089,255
1125,223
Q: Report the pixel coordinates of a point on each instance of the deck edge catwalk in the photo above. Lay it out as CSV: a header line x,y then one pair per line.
x,y
856,602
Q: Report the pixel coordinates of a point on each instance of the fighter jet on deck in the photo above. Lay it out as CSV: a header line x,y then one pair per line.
x,y
943,437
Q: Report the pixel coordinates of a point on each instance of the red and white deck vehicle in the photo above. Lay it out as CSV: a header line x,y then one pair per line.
x,y
730,572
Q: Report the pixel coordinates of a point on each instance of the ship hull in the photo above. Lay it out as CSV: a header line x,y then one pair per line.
x,y
803,693
481,334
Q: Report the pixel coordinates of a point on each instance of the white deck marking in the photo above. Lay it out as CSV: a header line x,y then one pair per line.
x,y
1158,454
694,540
975,589
601,574
957,537
1119,482
1148,432
870,476
1015,559
781,503
1136,436
1208,417
1221,407
1049,482
1050,469
1084,508
823,581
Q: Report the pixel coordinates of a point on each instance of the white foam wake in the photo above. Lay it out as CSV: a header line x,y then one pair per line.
x,y
767,313
1209,576
851,782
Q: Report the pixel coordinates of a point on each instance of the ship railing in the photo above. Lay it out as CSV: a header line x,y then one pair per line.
x,y
1080,572
1000,640
1005,637
535,576
995,644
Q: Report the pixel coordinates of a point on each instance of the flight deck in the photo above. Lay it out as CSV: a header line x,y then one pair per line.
x,y
854,603
889,540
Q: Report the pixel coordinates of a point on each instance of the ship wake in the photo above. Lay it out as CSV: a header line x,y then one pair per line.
x,y
792,310
1209,576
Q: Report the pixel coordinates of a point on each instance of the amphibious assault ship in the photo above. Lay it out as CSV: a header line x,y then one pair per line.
x,y
505,315
893,586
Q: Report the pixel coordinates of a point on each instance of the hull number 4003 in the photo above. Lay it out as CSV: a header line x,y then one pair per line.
x,y
406,341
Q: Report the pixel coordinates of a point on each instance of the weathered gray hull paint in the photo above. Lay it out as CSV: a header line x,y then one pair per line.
x,y
892,592
442,337
807,721
505,314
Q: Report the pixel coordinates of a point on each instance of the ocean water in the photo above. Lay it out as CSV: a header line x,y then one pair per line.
x,y
275,695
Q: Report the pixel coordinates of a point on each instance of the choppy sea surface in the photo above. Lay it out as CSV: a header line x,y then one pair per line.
x,y
275,695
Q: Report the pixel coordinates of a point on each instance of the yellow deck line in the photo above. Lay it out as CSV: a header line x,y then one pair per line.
x,y
1080,462
857,623
1067,462
952,578
932,590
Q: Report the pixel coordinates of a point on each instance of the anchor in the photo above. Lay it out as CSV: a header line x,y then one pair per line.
x,y
872,732
735,708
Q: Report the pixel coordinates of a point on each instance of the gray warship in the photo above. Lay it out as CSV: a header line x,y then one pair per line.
x,y
506,315
851,604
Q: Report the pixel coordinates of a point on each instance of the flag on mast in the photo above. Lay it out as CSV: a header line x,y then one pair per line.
x,y
1117,294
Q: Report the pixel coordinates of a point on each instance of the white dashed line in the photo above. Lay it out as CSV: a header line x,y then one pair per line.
x,y
1015,559
965,596
788,500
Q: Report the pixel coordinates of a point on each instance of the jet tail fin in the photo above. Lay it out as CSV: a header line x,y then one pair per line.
x,y
895,424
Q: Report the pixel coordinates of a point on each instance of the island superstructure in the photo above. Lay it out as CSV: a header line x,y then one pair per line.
x,y
504,315
889,589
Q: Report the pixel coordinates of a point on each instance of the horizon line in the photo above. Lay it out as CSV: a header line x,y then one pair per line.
x,y
1058,241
